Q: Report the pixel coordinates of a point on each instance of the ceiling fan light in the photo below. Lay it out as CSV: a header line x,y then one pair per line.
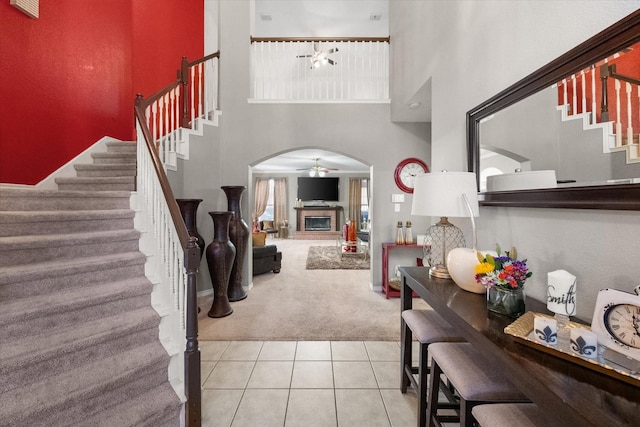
x,y
322,173
316,63
312,173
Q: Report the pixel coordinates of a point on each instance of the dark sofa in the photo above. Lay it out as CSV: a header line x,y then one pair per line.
x,y
266,258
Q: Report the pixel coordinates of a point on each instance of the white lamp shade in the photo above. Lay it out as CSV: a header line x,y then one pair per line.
x,y
440,194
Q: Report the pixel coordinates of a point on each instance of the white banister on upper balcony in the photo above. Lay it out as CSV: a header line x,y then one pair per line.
x,y
345,70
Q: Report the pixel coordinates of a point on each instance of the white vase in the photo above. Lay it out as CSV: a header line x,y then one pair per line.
x,y
461,263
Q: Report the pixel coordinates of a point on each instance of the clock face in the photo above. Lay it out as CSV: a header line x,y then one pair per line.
x,y
406,173
622,321
616,321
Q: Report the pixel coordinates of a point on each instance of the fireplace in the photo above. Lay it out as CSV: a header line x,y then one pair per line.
x,y
317,223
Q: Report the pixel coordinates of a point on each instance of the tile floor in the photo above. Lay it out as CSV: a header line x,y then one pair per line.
x,y
304,383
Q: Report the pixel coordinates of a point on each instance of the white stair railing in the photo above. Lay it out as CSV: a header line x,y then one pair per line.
x,y
355,70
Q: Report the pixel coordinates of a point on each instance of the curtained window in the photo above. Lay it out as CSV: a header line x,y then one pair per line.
x,y
270,202
359,201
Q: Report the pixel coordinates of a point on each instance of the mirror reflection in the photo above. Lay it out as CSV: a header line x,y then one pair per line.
x,y
583,130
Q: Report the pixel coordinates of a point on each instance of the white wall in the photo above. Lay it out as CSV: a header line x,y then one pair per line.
x,y
472,50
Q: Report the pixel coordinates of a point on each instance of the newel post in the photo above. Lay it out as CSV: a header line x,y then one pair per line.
x,y
184,79
192,352
604,106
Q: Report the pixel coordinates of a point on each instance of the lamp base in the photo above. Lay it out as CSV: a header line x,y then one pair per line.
x,y
439,271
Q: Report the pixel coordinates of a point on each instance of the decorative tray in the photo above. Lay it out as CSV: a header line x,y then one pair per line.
x,y
522,330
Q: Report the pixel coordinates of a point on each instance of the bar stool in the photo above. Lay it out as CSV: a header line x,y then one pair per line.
x,y
477,381
508,415
428,327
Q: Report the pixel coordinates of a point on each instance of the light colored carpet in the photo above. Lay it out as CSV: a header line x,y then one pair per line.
x,y
300,304
327,258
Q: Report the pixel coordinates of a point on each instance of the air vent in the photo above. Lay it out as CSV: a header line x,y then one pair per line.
x,y
29,7
265,17
375,17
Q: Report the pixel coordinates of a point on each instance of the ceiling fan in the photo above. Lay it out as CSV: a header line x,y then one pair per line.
x,y
319,57
318,170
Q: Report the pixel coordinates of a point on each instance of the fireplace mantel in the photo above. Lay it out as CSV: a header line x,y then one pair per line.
x,y
333,212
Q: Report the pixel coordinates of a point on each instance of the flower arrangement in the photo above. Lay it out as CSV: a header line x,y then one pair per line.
x,y
502,271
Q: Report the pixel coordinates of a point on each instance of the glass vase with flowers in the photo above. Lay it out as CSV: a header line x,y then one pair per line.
x,y
504,277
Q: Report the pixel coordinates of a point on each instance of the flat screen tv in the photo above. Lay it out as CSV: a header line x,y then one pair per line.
x,y
318,189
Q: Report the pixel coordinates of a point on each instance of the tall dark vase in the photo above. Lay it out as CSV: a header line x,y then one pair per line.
x,y
189,210
239,235
220,256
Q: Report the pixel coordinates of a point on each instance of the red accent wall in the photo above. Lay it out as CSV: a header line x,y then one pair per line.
x,y
69,78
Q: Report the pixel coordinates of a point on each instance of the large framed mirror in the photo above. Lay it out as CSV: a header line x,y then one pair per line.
x,y
490,126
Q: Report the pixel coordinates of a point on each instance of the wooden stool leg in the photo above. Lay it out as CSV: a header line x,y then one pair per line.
x,y
466,419
423,372
434,386
405,355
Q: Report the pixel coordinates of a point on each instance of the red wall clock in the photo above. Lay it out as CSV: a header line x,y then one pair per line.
x,y
406,173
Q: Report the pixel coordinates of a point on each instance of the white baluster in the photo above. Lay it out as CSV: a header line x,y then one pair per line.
x,y
629,115
574,97
584,92
192,102
200,90
565,96
593,95
618,123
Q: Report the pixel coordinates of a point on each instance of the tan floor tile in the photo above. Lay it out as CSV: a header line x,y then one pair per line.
x,y
264,408
312,374
313,350
401,408
219,407
383,351
311,408
278,350
242,350
230,375
354,375
348,350
361,408
212,350
205,371
271,374
387,374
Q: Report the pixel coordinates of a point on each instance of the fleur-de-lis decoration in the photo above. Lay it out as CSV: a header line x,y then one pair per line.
x,y
580,346
547,335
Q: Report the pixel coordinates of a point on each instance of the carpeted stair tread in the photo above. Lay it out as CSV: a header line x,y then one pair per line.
x,y
17,199
20,311
33,249
121,146
23,223
73,395
119,169
111,157
61,268
51,358
45,216
156,407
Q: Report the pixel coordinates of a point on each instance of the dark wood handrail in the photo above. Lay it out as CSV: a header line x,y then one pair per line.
x,y
189,245
203,59
320,39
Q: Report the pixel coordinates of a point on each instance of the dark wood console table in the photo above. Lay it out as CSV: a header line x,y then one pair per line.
x,y
569,394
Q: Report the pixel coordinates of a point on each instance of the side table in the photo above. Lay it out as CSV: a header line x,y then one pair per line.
x,y
386,248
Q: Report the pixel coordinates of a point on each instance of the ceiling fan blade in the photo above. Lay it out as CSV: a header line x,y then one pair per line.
x,y
304,56
335,49
331,61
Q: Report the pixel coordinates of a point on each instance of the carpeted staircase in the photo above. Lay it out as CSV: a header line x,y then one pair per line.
x,y
78,336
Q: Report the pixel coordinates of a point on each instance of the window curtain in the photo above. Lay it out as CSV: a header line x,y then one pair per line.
x,y
355,200
279,201
261,197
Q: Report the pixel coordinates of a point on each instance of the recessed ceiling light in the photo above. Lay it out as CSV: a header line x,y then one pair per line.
x,y
265,17
375,17
414,105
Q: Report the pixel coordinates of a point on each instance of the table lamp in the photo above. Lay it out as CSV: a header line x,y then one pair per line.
x,y
443,194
